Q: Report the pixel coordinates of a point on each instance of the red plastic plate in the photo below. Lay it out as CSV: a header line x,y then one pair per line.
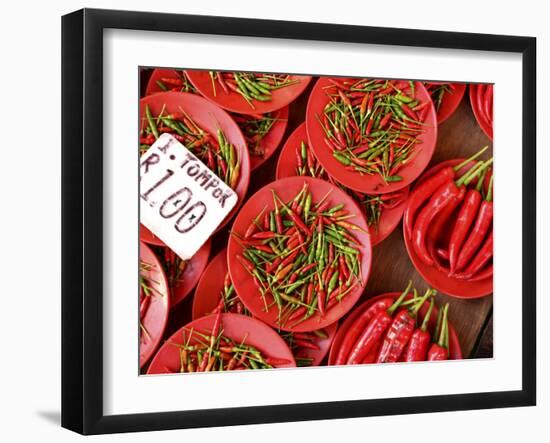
x,y
438,278
209,117
454,344
369,184
485,125
192,273
237,327
156,316
286,167
450,101
271,140
286,189
234,102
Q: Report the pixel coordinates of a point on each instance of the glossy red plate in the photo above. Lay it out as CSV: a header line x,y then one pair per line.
x,y
286,189
438,278
454,344
192,273
209,117
235,102
236,327
485,125
158,75
368,184
450,101
286,167
271,140
156,315
148,237
207,297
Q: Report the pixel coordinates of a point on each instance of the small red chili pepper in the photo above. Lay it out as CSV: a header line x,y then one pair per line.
x,y
306,344
264,235
272,361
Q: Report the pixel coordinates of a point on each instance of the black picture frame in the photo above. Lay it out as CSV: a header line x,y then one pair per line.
x,y
82,219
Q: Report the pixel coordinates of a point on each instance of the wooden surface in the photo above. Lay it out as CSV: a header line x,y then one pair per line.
x,y
459,136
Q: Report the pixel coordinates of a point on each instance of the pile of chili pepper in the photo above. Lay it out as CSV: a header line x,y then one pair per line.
x,y
174,267
180,83
391,330
146,291
205,351
298,342
302,256
373,126
443,198
437,92
251,86
307,164
374,205
216,152
254,129
229,300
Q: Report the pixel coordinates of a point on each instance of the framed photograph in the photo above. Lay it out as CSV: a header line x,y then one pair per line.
x,y
271,221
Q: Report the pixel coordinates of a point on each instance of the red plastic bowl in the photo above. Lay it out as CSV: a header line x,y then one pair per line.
x,y
210,118
432,274
286,167
450,101
454,344
485,125
207,297
210,286
368,184
156,316
271,140
236,327
235,102
286,189
158,74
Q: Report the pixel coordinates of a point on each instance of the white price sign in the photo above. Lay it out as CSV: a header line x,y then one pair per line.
x,y
181,201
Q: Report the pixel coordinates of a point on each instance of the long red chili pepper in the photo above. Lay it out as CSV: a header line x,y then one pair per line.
x,y
480,260
438,201
400,332
479,231
466,217
417,348
358,326
375,330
